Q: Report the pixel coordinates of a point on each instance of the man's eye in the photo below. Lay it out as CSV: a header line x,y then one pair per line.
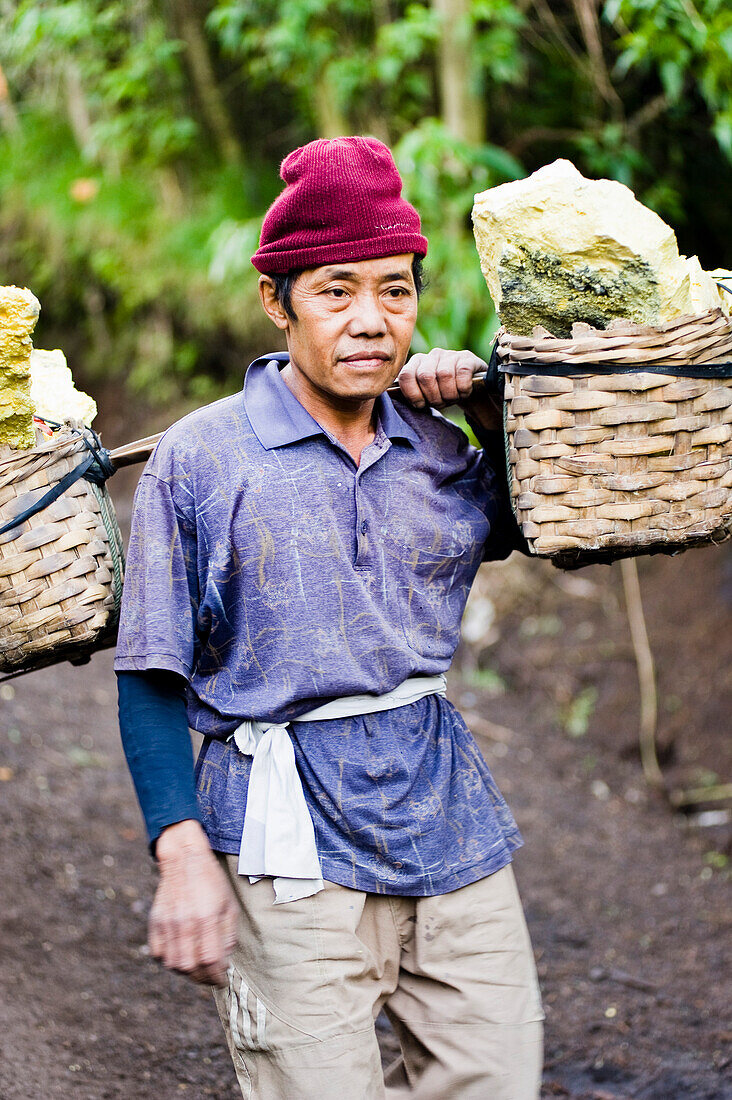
x,y
397,291
336,291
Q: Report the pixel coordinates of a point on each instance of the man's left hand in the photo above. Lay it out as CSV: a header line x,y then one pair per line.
x,y
441,378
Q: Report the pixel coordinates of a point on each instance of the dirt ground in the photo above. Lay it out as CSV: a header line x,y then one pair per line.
x,y
628,903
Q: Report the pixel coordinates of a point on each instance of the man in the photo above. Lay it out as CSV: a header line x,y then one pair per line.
x,y
299,563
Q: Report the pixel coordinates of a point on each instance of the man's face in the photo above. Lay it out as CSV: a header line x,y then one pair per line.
x,y
354,326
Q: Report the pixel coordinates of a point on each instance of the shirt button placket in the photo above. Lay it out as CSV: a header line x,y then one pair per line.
x,y
362,526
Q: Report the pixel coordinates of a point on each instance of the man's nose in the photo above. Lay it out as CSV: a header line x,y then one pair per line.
x,y
368,316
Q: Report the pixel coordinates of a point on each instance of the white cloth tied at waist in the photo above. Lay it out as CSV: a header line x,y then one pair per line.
x,y
278,838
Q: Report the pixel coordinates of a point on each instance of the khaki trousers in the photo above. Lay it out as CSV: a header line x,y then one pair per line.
x,y
455,974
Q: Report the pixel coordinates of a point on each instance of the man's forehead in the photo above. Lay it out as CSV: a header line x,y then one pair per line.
x,y
383,267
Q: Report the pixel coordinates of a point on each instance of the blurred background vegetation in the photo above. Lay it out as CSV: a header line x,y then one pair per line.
x,y
140,142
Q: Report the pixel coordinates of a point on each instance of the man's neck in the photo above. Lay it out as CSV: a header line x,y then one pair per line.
x,y
351,422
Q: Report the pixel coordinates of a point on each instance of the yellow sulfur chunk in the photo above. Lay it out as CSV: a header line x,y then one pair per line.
x,y
53,390
19,311
15,401
556,249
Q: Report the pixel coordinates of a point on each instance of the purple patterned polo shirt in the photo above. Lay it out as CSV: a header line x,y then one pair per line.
x,y
274,575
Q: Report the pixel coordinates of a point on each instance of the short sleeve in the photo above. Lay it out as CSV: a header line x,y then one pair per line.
x,y
160,595
505,534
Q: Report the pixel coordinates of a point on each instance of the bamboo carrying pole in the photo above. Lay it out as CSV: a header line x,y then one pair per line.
x,y
129,454
138,451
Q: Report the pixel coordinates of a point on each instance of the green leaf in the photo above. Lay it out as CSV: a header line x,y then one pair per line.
x,y
577,714
672,77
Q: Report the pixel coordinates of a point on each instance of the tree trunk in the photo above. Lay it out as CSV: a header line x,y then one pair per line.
x,y
329,118
76,106
204,81
463,103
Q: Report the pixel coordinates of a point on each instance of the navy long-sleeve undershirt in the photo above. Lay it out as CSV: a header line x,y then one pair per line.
x,y
157,744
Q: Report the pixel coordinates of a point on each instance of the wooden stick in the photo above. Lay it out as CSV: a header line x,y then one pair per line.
x,y
678,798
646,674
696,796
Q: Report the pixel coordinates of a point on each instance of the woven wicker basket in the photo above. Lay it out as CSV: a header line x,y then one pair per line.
x,y
61,569
620,440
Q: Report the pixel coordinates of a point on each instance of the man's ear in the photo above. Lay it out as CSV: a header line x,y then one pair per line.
x,y
271,303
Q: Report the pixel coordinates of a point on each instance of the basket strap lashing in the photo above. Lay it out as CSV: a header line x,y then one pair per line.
x,y
96,467
116,548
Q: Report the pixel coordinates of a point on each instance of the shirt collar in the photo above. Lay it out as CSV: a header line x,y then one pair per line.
x,y
278,418
392,424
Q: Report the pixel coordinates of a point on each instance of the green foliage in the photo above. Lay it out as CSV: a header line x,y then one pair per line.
x,y
688,46
485,679
139,145
717,860
498,25
345,61
122,278
112,67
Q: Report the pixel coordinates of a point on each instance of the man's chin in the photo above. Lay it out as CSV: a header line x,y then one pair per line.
x,y
357,395
365,385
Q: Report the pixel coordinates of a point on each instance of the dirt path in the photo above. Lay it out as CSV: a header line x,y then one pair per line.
x,y
628,904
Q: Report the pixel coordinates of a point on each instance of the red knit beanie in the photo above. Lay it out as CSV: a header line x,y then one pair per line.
x,y
342,202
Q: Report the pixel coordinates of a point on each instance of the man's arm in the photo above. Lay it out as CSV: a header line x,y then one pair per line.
x,y
154,726
442,378
193,919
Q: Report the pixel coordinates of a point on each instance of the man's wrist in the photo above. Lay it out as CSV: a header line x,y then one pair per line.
x,y
182,839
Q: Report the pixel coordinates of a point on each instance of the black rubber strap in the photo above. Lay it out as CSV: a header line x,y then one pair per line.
x,y
562,370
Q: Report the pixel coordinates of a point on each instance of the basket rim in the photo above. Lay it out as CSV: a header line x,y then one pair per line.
x,y
693,342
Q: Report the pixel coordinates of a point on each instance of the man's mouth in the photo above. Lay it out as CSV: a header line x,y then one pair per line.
x,y
366,357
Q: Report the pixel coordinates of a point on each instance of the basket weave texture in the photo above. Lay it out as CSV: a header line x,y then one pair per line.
x,y
609,464
61,570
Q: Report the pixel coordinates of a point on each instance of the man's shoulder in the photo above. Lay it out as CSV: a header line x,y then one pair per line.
x,y
218,417
207,434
